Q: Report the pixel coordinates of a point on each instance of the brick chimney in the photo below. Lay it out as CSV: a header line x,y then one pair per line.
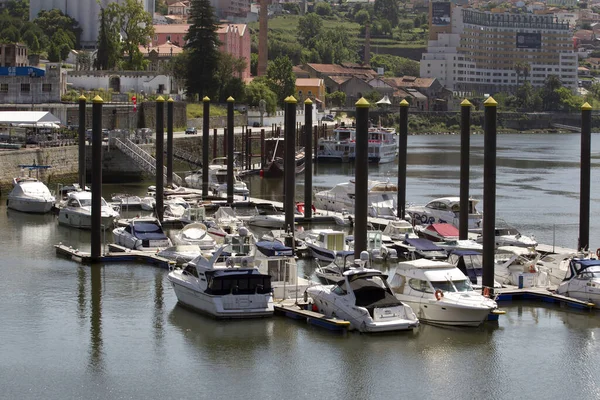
x,y
263,27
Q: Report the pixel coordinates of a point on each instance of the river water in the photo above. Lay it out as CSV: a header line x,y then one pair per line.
x,y
115,332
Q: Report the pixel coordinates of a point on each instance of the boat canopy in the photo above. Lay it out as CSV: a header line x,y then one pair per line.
x,y
422,244
443,230
578,266
270,249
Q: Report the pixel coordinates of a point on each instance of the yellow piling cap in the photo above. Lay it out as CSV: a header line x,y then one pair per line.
x,y
230,99
205,98
82,97
97,99
362,102
490,102
160,99
586,106
404,103
308,101
291,100
170,100
466,103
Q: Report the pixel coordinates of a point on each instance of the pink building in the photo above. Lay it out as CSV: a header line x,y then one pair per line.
x,y
234,38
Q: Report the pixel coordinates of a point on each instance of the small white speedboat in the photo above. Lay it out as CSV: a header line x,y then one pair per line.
x,y
30,195
144,234
196,234
76,211
439,293
364,298
582,281
325,243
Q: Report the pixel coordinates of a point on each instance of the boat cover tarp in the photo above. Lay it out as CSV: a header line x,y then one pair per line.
x,y
422,244
461,253
444,230
148,230
274,248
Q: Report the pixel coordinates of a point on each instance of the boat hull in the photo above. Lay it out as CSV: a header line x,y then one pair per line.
x,y
223,307
446,313
82,221
36,206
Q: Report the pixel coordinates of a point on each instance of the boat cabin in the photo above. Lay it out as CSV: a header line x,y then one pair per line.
x,y
426,276
237,281
333,240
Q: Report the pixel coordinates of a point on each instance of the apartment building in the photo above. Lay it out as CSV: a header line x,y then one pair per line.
x,y
482,52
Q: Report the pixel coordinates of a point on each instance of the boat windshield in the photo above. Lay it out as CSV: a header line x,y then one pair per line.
x,y
462,285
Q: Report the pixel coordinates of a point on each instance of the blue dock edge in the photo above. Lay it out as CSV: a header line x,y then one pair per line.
x,y
546,297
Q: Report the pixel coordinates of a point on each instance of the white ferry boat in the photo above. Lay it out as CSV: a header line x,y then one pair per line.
x,y
341,146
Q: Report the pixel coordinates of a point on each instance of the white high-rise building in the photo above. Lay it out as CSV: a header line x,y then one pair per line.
x,y
483,52
86,12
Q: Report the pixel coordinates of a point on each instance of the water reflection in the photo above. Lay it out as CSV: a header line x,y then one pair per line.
x,y
159,304
96,343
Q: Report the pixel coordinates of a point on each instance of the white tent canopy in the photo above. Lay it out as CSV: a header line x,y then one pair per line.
x,y
30,119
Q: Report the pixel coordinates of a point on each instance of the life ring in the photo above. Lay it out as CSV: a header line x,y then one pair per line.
x,y
486,292
598,252
439,294
532,268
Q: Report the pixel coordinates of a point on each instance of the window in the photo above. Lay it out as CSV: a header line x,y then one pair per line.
x,y
25,87
46,87
4,87
168,38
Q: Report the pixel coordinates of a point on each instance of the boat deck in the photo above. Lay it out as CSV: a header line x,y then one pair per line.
x,y
116,254
547,295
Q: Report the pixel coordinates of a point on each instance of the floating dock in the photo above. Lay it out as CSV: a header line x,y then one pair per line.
x,y
546,295
116,254
298,311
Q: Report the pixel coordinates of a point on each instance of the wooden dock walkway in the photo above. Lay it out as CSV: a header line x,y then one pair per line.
x,y
291,309
116,254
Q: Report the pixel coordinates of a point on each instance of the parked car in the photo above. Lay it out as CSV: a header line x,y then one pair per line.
x,y
328,118
190,130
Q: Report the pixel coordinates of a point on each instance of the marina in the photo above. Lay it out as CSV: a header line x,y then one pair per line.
x,y
103,297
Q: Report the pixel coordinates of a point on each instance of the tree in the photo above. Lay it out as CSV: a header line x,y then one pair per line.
x,y
202,44
398,66
309,27
323,8
337,98
109,50
228,75
258,90
281,78
54,20
387,9
135,27
254,64
161,7
549,93
362,16
18,9
10,34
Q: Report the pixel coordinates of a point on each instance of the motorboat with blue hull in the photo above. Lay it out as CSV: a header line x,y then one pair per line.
x,y
222,290
439,293
582,281
364,298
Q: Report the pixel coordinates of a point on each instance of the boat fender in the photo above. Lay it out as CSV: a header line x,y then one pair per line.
x,y
439,294
315,308
305,297
486,292
598,252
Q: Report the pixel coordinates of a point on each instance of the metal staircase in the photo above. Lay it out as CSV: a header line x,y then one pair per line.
x,y
186,156
143,159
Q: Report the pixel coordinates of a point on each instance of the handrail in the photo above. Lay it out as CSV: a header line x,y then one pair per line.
x,y
142,158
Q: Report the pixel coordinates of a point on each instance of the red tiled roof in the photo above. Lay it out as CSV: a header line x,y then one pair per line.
x,y
409,82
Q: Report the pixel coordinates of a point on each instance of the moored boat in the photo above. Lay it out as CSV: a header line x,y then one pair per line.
x,y
30,195
76,211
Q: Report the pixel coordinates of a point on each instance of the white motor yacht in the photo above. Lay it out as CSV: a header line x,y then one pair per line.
x,y
364,298
582,281
30,195
381,200
470,263
266,218
144,234
509,236
196,234
325,243
333,272
517,266
223,291
76,211
278,261
445,210
439,293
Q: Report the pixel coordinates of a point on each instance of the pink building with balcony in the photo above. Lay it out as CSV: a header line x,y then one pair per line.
x,y
234,38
